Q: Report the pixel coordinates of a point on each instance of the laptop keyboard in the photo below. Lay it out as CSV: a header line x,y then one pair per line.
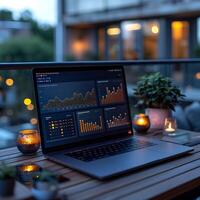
x,y
107,150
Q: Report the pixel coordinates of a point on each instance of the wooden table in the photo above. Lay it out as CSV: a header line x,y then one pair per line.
x,y
163,181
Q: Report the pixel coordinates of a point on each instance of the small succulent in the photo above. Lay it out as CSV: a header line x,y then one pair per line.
x,y
157,91
45,185
45,176
7,172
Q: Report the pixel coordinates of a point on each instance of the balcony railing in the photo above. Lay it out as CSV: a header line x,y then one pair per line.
x,y
16,86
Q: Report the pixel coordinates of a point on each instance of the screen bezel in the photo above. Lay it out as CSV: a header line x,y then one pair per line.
x,y
79,67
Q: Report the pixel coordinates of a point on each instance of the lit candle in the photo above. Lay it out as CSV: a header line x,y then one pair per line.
x,y
28,141
141,123
29,168
170,126
26,172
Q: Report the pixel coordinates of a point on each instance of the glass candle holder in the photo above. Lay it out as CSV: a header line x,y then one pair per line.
x,y
170,126
141,123
28,141
26,172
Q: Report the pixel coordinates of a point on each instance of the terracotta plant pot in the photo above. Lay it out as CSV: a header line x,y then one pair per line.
x,y
157,117
7,187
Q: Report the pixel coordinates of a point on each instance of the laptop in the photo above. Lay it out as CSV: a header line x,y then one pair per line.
x,y
85,122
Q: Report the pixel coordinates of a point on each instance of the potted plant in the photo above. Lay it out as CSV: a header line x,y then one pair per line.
x,y
44,186
7,180
158,95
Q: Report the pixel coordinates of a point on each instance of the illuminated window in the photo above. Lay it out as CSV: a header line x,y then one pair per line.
x,y
80,43
113,34
151,33
180,43
101,43
132,31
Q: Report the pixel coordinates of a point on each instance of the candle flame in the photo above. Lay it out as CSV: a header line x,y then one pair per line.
x,y
141,121
169,128
29,137
29,168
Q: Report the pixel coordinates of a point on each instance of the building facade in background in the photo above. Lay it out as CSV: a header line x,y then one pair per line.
x,y
10,29
128,29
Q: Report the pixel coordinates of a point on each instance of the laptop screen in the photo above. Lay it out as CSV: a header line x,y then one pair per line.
x,y
76,105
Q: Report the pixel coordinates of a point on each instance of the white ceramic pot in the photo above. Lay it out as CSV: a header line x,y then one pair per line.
x,y
157,117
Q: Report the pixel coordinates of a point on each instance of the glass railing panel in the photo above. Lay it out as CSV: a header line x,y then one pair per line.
x,y
17,105
18,109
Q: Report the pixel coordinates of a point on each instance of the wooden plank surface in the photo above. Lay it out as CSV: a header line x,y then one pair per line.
x,y
162,181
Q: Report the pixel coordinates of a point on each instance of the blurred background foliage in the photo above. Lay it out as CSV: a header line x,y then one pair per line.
x,y
26,48
29,48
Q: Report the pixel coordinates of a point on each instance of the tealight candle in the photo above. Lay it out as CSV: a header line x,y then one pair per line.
x,y
29,168
141,123
26,172
28,141
170,126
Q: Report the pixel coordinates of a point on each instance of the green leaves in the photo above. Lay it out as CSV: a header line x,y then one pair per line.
x,y
26,49
7,172
45,176
157,91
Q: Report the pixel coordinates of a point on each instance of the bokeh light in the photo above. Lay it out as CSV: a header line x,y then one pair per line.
x,y
197,75
9,82
113,31
155,29
30,107
27,101
33,121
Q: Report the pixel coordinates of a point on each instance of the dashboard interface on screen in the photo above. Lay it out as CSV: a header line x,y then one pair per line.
x,y
78,105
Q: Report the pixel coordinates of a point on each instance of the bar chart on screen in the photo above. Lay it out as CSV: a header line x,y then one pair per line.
x,y
90,122
110,91
116,116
